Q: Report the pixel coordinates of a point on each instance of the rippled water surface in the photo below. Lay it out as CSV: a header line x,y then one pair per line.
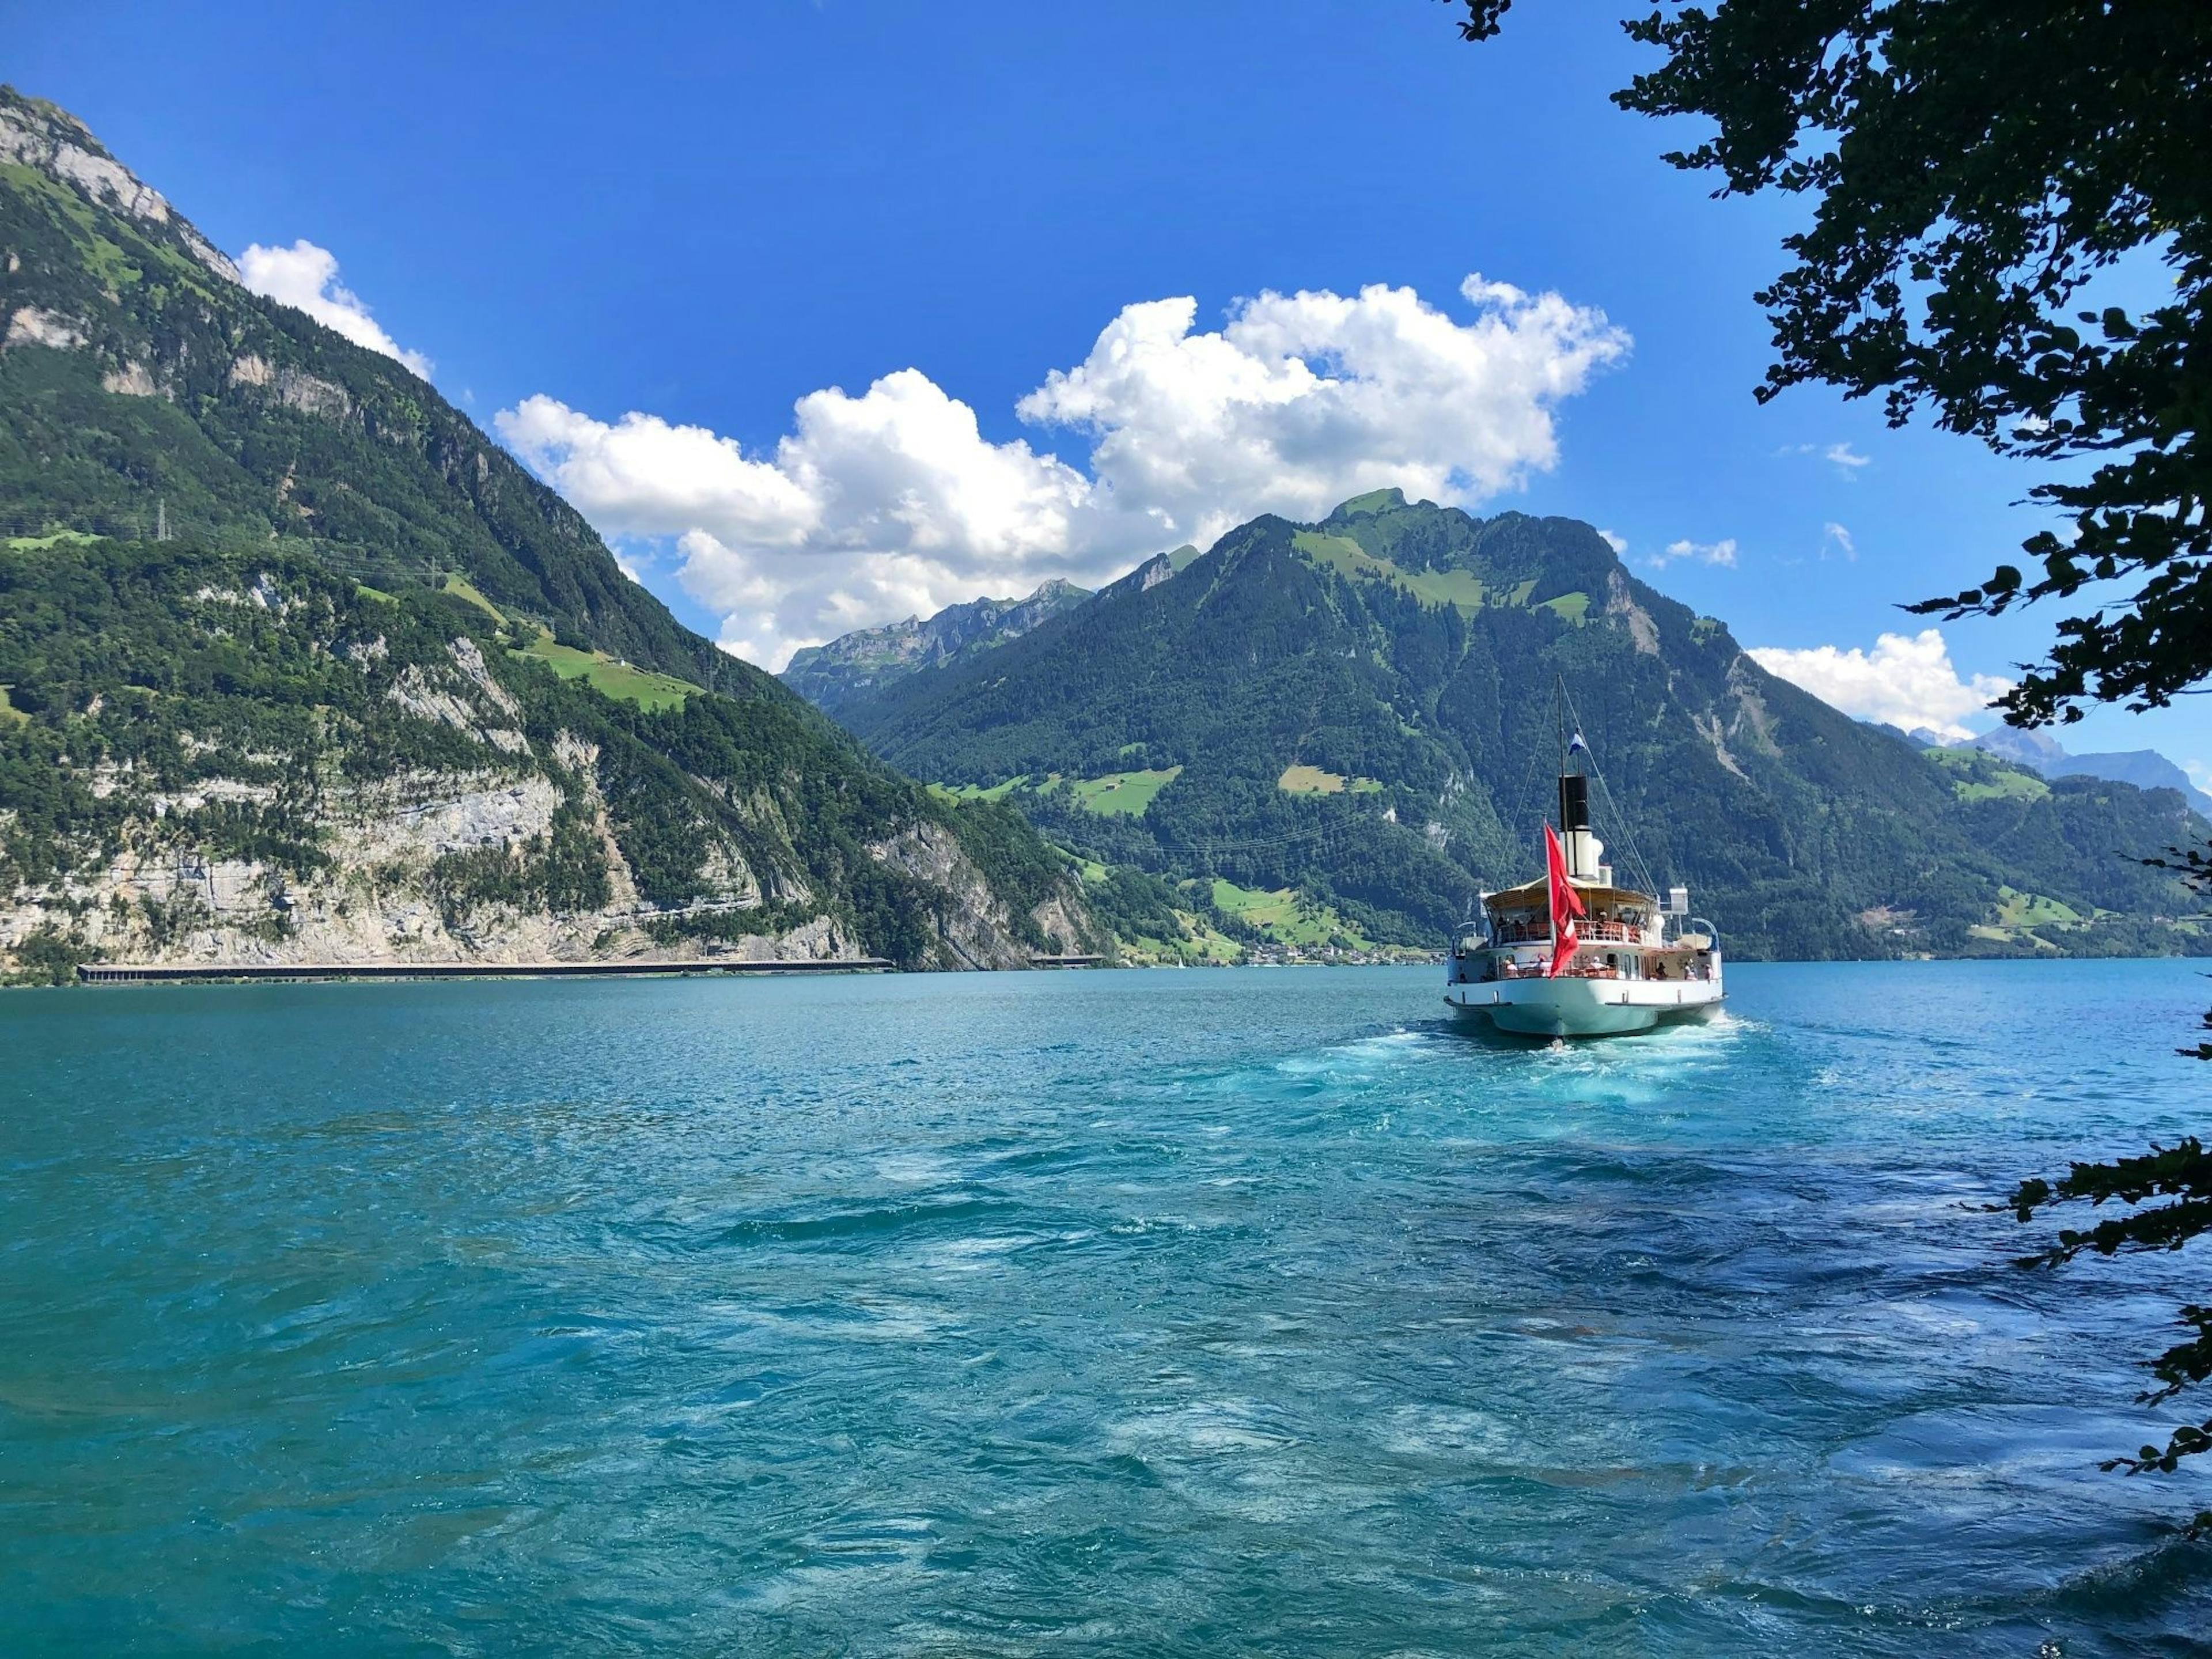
x,y
1236,1312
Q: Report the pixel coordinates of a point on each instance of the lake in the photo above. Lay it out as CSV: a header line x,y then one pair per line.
x,y
1239,1311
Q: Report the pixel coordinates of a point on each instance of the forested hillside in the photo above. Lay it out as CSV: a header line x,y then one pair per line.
x,y
296,663
1362,710
141,382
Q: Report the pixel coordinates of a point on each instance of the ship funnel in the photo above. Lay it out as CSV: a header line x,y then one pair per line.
x,y
1574,802
1585,852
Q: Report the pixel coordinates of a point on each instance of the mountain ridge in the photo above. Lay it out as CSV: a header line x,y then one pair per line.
x,y
866,661
1377,688
2146,769
239,420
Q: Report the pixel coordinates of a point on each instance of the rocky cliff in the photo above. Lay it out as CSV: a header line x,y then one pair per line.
x,y
216,760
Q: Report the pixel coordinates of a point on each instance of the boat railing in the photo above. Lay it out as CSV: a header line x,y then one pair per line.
x,y
1590,933
1691,973
1574,970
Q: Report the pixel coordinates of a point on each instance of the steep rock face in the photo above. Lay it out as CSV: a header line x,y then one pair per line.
x,y
35,134
211,761
377,893
1365,709
829,676
976,927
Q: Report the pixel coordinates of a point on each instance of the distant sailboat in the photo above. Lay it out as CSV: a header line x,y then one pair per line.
x,y
1571,954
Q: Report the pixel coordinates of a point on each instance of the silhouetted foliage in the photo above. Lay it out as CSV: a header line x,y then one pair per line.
x,y
1975,167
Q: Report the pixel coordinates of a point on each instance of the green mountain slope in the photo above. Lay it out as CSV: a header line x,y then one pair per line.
x,y
140,381
864,662
379,695
1363,709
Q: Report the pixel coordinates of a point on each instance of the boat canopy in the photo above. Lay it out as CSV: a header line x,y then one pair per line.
x,y
1536,896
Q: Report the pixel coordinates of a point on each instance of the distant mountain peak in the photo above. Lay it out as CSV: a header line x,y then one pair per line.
x,y
869,659
2146,769
2035,750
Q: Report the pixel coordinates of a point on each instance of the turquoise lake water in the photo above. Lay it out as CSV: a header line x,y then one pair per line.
x,y
1212,1312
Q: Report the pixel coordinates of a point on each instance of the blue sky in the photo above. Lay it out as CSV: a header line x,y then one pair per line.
x,y
701,214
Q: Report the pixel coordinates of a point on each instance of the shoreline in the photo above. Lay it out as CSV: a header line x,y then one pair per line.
x,y
91,972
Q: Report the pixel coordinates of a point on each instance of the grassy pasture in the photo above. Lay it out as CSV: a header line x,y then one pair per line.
x,y
980,791
1288,918
619,680
1462,588
1976,775
1119,795
1569,607
1312,780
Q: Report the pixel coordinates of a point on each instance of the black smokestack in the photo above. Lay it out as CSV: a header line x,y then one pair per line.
x,y
1574,802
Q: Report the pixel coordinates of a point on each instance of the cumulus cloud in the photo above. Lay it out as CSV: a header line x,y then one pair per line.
x,y
1618,543
1303,399
306,277
1721,553
1907,681
894,501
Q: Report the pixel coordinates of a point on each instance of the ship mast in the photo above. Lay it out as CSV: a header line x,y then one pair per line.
x,y
1584,850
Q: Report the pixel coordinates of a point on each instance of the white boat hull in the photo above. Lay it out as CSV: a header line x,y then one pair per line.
x,y
1573,1006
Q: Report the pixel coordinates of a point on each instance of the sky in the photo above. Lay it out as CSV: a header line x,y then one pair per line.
x,y
830,314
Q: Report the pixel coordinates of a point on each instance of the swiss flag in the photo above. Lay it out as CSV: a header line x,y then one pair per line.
x,y
1566,903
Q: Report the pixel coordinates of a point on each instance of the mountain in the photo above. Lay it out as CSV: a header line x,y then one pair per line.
x,y
142,385
295,664
859,664
1361,713
2146,769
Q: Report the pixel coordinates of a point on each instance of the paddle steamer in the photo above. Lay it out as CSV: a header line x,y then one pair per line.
x,y
1573,953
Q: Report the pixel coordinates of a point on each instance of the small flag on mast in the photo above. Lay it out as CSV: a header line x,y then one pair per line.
x,y
1578,747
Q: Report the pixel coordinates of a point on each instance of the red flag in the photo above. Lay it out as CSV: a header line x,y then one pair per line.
x,y
1566,903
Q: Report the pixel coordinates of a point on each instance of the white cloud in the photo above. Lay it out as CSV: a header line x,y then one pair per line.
x,y
1845,459
1303,399
306,277
1721,553
1834,536
1907,681
894,503
1618,543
